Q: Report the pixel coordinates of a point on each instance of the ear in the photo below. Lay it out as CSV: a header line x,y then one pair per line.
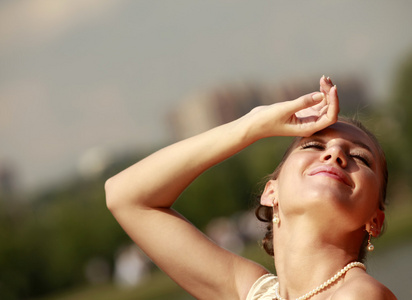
x,y
268,197
376,223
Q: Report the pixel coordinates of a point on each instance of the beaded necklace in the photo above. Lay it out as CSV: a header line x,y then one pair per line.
x,y
325,284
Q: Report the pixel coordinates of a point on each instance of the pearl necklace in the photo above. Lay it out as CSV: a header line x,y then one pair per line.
x,y
325,284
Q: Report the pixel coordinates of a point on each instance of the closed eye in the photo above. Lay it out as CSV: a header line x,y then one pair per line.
x,y
313,144
362,158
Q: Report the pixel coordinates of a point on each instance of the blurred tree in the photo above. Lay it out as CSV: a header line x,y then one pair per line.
x,y
232,185
402,95
394,126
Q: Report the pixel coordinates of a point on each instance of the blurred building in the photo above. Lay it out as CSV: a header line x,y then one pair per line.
x,y
205,110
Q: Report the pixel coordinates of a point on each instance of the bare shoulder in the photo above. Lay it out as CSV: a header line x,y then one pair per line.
x,y
250,274
362,287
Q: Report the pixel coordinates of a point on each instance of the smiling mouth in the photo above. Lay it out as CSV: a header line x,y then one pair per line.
x,y
332,172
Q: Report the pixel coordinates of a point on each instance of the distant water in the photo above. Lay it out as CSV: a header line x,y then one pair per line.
x,y
393,267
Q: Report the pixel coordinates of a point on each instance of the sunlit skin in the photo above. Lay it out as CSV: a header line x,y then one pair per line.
x,y
326,197
335,172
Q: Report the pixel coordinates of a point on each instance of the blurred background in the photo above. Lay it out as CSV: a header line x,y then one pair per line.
x,y
87,87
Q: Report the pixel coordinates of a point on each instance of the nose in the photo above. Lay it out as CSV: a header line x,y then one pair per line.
x,y
335,154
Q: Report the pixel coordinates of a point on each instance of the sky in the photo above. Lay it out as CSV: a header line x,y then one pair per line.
x,y
83,79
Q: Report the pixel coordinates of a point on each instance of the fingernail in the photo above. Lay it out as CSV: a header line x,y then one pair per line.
x,y
318,96
323,76
328,78
335,87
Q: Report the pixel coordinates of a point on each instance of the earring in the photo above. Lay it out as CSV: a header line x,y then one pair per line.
x,y
275,219
370,247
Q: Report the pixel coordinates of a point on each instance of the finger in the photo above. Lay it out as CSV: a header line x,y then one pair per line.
x,y
325,84
330,80
329,113
333,109
326,80
323,110
305,102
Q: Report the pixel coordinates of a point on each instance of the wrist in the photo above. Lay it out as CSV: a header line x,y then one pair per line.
x,y
247,128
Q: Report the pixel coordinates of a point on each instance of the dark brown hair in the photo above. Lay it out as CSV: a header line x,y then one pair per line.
x,y
265,213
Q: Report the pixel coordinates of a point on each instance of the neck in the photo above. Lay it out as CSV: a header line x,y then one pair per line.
x,y
311,250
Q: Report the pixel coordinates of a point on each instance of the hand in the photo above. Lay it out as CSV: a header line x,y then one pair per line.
x,y
300,117
319,115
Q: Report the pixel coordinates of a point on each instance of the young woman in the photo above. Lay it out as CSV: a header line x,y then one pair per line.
x,y
325,197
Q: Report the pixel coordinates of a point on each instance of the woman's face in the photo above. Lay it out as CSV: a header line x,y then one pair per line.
x,y
334,173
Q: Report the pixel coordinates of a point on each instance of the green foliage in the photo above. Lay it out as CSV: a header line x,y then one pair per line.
x,y
232,185
394,128
402,95
53,237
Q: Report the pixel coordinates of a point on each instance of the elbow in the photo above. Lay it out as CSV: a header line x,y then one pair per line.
x,y
109,188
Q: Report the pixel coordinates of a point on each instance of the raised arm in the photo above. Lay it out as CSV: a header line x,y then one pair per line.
x,y
140,197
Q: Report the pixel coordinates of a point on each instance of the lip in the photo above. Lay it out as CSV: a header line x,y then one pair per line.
x,y
332,172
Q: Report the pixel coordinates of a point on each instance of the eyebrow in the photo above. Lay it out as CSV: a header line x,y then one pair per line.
x,y
362,145
355,142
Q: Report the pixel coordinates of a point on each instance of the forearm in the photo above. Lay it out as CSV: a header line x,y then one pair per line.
x,y
157,181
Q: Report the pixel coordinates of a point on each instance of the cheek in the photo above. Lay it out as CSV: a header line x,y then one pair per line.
x,y
374,194
289,171
290,177
296,162
295,165
368,195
